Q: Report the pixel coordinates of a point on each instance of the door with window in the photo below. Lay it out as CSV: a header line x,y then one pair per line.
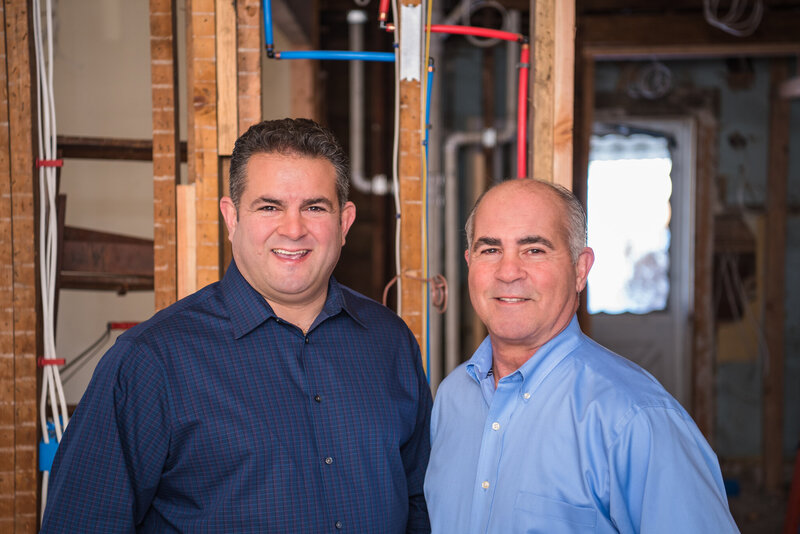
x,y
640,207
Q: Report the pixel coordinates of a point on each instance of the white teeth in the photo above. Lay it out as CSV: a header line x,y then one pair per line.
x,y
505,299
295,253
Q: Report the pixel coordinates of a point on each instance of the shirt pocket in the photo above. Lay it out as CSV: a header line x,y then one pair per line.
x,y
534,514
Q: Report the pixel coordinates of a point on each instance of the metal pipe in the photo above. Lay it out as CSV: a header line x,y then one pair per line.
x,y
344,55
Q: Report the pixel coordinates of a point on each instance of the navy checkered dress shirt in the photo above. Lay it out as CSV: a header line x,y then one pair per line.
x,y
217,416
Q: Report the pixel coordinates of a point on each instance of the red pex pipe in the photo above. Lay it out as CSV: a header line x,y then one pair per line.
x,y
383,9
522,115
488,33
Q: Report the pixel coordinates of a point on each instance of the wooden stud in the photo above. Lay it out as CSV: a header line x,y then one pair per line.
x,y
165,148
227,76
202,111
7,427
412,289
775,276
552,80
187,240
703,401
24,239
248,53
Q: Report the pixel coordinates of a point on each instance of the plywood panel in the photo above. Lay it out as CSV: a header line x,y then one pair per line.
x,y
227,119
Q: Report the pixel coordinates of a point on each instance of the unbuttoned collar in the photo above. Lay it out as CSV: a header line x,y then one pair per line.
x,y
248,308
534,371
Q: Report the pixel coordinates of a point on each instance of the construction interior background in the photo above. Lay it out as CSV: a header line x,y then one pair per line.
x,y
147,99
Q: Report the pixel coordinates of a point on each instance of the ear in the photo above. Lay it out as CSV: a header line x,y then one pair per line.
x,y
347,217
582,268
229,213
466,257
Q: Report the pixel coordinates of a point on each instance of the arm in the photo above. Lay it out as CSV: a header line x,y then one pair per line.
x,y
416,452
109,462
665,478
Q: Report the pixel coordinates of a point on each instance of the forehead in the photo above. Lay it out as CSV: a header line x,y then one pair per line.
x,y
289,173
514,210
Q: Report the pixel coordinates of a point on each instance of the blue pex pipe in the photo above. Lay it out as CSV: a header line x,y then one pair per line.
x,y
336,54
267,7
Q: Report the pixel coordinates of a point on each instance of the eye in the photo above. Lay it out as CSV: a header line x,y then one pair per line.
x,y
267,207
489,250
317,209
534,251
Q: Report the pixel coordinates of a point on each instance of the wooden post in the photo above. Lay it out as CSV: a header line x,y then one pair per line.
x,y
18,491
552,78
202,138
703,325
412,288
248,13
775,276
227,77
166,148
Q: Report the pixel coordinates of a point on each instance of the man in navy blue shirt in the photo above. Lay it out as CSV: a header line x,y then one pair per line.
x,y
275,400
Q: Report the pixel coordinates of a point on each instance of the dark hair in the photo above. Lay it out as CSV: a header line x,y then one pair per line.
x,y
291,137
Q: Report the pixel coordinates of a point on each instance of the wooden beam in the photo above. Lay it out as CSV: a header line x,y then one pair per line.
x,y
203,160
703,403
27,342
7,427
552,83
187,241
412,289
678,35
227,77
112,148
165,149
248,13
775,276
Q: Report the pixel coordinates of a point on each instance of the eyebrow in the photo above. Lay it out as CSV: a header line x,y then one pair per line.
x,y
304,204
527,240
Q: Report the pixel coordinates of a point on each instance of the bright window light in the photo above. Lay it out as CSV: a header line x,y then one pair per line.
x,y
628,224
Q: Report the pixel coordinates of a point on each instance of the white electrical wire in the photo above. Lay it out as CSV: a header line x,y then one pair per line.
x,y
52,388
733,22
396,157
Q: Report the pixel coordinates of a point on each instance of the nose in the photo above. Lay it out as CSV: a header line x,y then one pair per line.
x,y
292,225
509,268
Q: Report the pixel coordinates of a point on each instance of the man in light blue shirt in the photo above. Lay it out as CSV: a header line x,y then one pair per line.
x,y
543,430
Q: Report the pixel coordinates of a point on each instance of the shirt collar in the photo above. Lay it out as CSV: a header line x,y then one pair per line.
x,y
538,366
248,308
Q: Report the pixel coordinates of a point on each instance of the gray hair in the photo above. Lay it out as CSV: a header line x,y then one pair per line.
x,y
291,137
575,220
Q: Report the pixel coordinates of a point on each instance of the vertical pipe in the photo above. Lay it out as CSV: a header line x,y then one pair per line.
x,y
522,109
269,42
355,24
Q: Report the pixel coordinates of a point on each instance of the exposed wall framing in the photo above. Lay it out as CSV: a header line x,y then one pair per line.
x,y
166,149
18,371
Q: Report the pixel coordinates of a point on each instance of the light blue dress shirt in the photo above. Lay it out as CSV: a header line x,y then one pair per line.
x,y
576,440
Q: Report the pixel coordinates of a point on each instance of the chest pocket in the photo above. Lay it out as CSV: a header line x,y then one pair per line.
x,y
540,515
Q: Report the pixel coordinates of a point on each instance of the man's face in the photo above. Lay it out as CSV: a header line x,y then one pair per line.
x,y
522,282
289,229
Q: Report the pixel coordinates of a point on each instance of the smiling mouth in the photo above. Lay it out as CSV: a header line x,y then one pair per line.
x,y
511,299
290,254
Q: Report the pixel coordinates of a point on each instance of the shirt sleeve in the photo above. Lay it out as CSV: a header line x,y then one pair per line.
x,y
664,477
109,462
416,452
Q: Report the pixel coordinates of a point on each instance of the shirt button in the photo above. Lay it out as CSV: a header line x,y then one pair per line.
x,y
338,525
485,484
317,398
495,426
526,395
306,340
329,460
